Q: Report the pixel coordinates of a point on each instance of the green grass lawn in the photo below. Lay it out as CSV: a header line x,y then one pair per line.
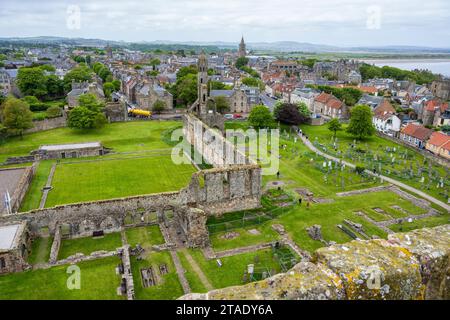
x,y
122,137
99,180
40,250
233,268
168,289
145,236
245,238
98,281
109,242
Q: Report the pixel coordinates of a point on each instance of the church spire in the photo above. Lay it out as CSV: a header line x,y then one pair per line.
x,y
242,48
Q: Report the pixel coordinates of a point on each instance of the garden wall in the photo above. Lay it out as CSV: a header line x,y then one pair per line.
x,y
48,124
413,265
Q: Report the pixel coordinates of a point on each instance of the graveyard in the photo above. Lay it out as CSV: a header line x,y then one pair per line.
x,y
384,156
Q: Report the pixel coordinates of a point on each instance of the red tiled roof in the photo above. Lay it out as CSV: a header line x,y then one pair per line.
x,y
439,139
384,108
417,131
334,103
446,146
323,97
436,104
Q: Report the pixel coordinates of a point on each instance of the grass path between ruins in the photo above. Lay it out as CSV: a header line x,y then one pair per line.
x,y
203,278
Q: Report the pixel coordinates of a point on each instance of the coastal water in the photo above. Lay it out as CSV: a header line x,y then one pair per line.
x,y
439,66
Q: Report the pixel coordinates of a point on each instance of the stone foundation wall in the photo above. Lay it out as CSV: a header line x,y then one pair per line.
x,y
22,188
413,265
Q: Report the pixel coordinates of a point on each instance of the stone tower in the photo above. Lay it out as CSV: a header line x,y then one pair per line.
x,y
242,48
202,83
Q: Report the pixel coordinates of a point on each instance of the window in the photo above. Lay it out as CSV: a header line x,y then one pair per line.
x,y
2,263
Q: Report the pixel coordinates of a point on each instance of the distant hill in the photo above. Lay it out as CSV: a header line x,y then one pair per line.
x,y
280,46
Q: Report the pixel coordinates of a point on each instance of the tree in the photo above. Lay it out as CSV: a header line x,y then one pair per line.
x,y
116,84
17,116
78,74
53,112
222,104
288,113
32,82
261,117
241,62
159,106
108,89
361,122
251,82
334,125
90,102
304,111
83,118
155,62
55,86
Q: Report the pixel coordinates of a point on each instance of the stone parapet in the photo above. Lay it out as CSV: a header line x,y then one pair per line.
x,y
413,265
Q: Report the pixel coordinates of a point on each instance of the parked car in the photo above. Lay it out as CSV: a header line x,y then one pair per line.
x,y
237,116
229,116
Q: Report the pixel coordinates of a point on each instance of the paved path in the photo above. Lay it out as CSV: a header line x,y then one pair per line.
x,y
387,179
47,187
198,270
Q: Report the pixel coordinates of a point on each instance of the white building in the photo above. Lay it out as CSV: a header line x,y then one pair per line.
x,y
387,123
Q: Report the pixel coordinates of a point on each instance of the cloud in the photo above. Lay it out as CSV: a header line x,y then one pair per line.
x,y
337,22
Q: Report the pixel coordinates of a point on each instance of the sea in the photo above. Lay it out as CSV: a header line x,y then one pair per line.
x,y
439,66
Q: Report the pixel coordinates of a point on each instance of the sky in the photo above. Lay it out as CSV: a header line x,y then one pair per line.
x,y
331,22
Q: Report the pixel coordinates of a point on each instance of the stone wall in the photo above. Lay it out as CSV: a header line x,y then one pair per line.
x,y
413,265
48,124
210,191
22,188
216,150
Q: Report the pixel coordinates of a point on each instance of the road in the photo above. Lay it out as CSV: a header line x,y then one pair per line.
x,y
267,101
387,179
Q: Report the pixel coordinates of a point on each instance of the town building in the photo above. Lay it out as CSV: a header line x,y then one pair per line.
x,y
240,100
439,144
435,113
328,105
147,94
441,89
415,135
80,88
385,120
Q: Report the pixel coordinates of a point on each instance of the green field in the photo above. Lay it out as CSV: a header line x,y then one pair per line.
x,y
121,137
144,236
98,280
105,179
40,250
69,247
